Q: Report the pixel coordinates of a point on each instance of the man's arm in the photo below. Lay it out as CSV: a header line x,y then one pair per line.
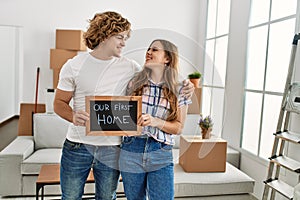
x,y
187,89
61,104
64,110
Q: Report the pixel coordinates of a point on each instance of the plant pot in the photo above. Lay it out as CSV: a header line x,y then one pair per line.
x,y
195,81
206,133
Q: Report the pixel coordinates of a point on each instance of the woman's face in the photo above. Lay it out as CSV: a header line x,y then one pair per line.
x,y
155,55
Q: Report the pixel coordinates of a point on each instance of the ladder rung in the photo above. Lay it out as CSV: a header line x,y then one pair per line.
x,y
289,136
282,187
287,163
293,110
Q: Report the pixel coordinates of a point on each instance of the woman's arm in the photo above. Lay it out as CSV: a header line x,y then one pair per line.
x,y
64,110
171,127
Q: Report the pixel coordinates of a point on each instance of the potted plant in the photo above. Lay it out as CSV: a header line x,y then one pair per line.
x,y
195,78
206,125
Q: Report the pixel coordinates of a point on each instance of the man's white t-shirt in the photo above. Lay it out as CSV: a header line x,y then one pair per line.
x,y
87,76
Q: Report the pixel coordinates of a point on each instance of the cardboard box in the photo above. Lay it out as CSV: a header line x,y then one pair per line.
x,y
202,155
195,107
55,77
70,40
25,119
58,57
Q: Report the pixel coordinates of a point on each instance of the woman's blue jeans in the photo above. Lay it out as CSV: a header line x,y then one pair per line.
x,y
76,163
147,169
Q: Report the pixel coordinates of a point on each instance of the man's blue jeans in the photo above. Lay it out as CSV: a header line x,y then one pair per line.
x,y
76,163
147,169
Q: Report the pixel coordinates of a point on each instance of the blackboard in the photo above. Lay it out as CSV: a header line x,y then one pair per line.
x,y
113,115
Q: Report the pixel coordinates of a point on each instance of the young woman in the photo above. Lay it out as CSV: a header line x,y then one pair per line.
x,y
146,161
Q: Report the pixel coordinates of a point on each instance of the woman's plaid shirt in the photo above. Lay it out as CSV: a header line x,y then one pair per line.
x,y
154,103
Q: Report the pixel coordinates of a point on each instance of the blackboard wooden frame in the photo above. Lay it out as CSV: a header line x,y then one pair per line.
x,y
134,130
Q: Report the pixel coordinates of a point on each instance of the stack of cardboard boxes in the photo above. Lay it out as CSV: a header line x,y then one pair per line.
x,y
67,45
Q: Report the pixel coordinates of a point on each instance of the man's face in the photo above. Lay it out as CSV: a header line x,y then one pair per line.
x,y
116,43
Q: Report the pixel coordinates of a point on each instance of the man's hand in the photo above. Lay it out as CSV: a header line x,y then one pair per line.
x,y
80,117
188,89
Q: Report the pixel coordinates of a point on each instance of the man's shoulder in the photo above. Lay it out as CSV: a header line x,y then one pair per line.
x,y
79,58
124,59
132,62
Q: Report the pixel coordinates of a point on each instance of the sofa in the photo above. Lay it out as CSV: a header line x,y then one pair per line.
x,y
21,160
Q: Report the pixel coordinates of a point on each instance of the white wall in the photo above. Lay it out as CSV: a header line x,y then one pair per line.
x,y
235,75
10,63
234,92
39,20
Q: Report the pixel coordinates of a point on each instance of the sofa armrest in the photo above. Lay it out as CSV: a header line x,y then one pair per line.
x,y
11,158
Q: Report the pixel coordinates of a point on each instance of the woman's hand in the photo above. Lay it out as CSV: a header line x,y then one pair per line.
x,y
80,117
148,120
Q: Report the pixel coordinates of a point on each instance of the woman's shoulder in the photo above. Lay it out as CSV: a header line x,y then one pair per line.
x,y
181,98
179,86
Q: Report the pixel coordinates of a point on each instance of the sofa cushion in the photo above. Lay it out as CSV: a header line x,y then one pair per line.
x,y
233,157
49,130
32,164
232,181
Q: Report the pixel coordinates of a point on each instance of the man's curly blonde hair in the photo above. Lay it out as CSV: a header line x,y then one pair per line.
x,y
103,26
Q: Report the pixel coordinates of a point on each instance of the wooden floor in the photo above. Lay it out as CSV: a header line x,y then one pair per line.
x,y
8,132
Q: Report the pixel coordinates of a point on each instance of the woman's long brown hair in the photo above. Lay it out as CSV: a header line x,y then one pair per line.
x,y
140,81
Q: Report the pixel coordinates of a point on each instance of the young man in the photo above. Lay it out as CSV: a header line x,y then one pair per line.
x,y
101,72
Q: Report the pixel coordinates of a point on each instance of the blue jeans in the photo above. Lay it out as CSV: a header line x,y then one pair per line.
x,y
76,163
147,169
